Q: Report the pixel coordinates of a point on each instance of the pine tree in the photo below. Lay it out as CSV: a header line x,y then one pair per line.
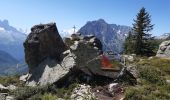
x,y
129,44
141,28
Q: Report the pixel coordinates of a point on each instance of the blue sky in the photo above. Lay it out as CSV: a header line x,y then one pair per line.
x,y
66,13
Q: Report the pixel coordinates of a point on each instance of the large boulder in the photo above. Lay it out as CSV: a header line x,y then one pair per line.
x,y
44,50
164,50
43,41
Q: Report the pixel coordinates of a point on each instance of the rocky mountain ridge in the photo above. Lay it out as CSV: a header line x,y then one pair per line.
x,y
11,40
112,36
163,36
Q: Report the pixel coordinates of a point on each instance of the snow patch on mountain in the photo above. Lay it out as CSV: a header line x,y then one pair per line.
x,y
11,40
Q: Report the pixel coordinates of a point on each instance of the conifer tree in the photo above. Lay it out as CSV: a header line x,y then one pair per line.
x,y
129,44
141,29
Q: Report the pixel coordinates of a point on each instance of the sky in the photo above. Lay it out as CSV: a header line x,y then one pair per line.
x,y
67,13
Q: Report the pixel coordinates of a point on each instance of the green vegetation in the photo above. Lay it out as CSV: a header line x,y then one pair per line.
x,y
151,84
28,92
162,64
48,96
153,72
139,40
66,92
129,44
68,41
151,75
7,80
48,92
148,92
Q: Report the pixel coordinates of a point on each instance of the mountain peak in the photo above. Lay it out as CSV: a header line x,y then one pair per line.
x,y
101,20
11,40
5,22
111,35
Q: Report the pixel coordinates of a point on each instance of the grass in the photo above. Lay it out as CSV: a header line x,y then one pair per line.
x,y
151,75
148,92
162,63
22,93
48,96
66,92
48,92
7,80
152,80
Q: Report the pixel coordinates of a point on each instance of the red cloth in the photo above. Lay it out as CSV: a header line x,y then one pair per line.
x,y
105,62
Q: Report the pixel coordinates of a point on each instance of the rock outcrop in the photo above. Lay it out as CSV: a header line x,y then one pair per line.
x,y
44,50
88,51
50,60
43,41
164,50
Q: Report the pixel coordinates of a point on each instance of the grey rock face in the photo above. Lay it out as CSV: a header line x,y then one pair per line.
x,y
43,41
44,53
49,71
112,36
87,50
164,50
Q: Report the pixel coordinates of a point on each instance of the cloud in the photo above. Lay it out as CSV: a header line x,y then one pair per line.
x,y
2,29
69,32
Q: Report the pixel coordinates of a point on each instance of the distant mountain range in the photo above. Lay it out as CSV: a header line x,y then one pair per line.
x,y
112,36
163,36
11,49
11,40
7,59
